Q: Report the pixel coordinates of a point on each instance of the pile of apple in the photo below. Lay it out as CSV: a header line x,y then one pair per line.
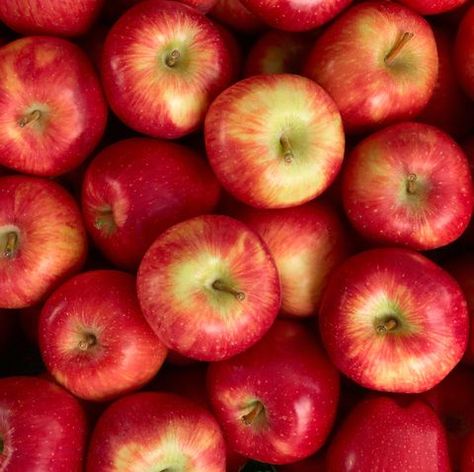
x,y
236,235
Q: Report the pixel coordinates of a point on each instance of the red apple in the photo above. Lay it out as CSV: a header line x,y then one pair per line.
x,y
433,7
284,134
392,320
378,61
390,435
42,427
464,52
233,14
295,15
163,63
209,287
42,239
94,339
306,242
55,17
135,189
156,431
52,112
408,184
276,402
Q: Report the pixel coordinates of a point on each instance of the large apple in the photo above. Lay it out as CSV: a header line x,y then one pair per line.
x,y
135,189
55,17
276,402
163,63
156,432
464,52
392,320
379,63
94,339
408,184
389,434
42,427
209,287
274,141
42,239
52,111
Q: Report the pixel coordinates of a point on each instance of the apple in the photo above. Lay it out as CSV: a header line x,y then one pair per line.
x,y
284,134
42,239
54,17
379,63
94,339
392,320
291,15
306,242
234,14
389,434
162,432
276,402
209,287
278,52
433,7
408,184
464,52
163,62
42,427
136,188
52,111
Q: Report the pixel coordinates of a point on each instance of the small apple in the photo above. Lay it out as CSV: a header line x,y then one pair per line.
x,y
209,287
464,52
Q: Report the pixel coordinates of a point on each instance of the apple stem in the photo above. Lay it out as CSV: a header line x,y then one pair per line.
x,y
223,287
2,446
411,184
89,340
388,325
253,414
286,147
397,47
11,244
172,58
31,117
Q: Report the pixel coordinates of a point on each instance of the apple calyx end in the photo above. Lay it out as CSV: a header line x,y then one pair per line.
x,y
387,325
11,245
257,411
31,117
287,150
411,184
403,39
88,341
172,58
221,286
105,221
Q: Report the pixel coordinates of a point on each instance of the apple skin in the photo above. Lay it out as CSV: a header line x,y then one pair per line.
x,y
392,320
54,17
250,120
118,7
467,463
149,96
306,242
123,353
464,52
389,434
288,374
234,14
42,427
175,285
156,431
290,15
53,78
350,60
408,184
50,239
433,7
136,188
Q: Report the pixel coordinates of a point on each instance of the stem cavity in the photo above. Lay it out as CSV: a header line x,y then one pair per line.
x,y
88,340
31,117
11,244
286,148
257,410
172,58
387,325
397,47
411,184
221,286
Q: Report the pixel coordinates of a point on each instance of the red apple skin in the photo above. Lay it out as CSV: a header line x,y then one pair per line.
x,y
234,14
349,61
148,185
291,15
464,52
54,78
288,373
42,427
467,463
433,7
51,241
54,17
202,5
430,313
408,184
125,353
250,119
147,431
449,108
186,312
145,93
306,242
389,435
